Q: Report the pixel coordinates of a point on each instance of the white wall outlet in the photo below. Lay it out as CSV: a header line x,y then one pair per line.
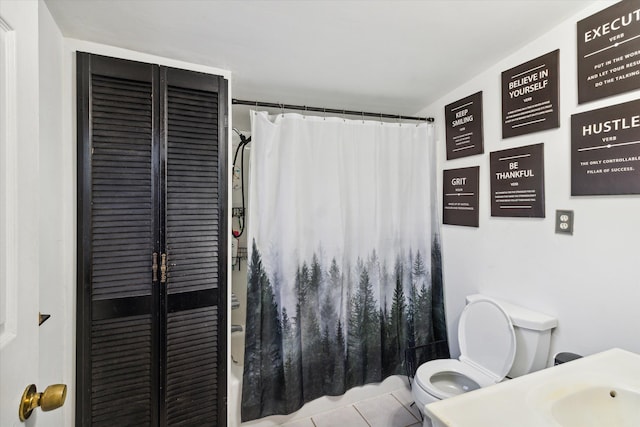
x,y
564,222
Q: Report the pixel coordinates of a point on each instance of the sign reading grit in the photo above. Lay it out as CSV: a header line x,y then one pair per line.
x,y
517,182
460,196
530,96
464,127
609,52
605,150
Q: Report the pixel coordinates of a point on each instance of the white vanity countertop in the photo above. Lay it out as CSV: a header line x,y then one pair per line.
x,y
526,401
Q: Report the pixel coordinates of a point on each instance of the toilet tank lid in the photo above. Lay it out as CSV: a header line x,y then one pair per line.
x,y
520,316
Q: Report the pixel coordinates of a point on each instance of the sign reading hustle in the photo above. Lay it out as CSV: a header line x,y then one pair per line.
x,y
460,196
464,127
530,96
605,150
517,182
609,52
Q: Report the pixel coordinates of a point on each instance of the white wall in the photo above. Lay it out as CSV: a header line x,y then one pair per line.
x,y
588,280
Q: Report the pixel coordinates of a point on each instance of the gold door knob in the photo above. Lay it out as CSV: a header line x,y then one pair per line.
x,y
52,398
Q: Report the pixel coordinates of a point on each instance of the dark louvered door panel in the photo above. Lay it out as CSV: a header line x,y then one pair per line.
x,y
118,304
121,188
121,389
192,190
192,367
194,201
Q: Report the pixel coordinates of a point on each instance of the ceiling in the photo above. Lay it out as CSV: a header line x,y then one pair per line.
x,y
390,56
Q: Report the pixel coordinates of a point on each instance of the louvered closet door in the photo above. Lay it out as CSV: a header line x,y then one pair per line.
x,y
151,245
118,230
195,241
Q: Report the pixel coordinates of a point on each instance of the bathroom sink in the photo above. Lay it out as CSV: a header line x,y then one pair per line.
x,y
598,406
600,390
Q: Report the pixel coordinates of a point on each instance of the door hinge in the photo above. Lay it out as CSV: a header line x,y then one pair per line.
x,y
43,318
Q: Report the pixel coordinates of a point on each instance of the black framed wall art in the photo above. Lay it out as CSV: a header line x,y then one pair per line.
x,y
517,182
460,196
609,52
530,96
605,150
463,121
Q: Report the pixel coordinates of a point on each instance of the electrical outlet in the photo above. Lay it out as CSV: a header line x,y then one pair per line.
x,y
564,222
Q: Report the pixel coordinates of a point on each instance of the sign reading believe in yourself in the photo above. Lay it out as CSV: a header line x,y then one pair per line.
x,y
605,150
460,196
530,96
517,182
464,127
609,52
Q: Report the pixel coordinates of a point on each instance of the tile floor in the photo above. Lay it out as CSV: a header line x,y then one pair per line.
x,y
389,410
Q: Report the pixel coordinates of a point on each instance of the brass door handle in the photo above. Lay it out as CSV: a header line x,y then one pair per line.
x,y
52,398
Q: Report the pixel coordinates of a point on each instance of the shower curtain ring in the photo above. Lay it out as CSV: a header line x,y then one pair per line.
x,y
282,109
362,112
304,116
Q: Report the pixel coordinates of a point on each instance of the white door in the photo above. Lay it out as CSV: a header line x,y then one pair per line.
x,y
19,258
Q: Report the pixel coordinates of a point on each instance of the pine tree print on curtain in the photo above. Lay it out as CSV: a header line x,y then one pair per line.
x,y
344,268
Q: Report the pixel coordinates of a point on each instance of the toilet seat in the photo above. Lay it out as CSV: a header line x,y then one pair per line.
x,y
487,339
487,346
428,370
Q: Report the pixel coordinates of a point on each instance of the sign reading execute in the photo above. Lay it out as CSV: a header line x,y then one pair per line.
x,y
530,96
605,150
609,52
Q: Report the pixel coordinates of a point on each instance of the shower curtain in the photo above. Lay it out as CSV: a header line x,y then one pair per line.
x,y
344,269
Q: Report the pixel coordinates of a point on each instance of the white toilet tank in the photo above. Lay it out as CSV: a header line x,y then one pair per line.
x,y
533,336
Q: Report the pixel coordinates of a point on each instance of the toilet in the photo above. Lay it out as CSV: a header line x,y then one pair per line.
x,y
497,340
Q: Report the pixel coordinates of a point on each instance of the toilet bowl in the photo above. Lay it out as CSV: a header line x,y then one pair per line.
x,y
493,336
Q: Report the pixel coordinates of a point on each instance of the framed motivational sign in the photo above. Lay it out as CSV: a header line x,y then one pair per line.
x,y
530,96
517,182
460,196
609,52
464,127
605,150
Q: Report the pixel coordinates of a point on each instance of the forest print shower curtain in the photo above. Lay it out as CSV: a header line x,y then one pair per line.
x,y
344,269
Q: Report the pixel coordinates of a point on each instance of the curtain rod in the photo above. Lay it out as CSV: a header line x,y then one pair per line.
x,y
328,110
